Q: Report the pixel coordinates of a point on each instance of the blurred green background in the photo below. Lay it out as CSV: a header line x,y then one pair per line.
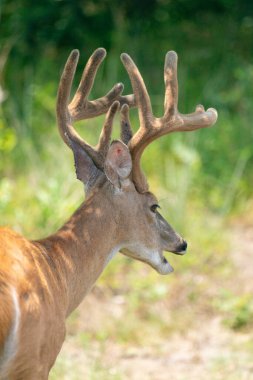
x,y
203,179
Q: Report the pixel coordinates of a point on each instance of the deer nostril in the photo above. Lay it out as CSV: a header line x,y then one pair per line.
x,y
184,246
181,248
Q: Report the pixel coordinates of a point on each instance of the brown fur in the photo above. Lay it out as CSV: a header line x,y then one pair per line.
x,y
24,268
51,276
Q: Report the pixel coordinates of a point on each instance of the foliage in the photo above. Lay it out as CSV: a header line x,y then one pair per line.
x,y
36,38
237,310
199,177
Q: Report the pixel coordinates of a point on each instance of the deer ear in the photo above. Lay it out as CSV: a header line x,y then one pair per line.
x,y
86,170
118,163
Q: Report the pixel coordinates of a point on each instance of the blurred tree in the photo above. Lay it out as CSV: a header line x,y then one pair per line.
x,y
214,40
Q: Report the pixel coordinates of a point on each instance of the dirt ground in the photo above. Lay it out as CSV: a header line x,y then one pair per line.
x,y
208,350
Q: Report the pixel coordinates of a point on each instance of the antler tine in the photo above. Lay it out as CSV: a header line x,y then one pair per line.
x,y
171,85
86,83
126,130
139,90
63,116
105,136
127,137
196,120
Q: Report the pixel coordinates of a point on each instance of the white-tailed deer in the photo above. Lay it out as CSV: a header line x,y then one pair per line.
x,y
42,282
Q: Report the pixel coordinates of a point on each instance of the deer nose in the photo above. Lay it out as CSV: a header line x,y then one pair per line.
x,y
184,245
182,248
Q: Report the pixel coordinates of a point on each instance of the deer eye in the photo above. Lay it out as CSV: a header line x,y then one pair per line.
x,y
154,208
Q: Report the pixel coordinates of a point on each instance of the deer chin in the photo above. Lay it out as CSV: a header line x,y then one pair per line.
x,y
155,259
164,267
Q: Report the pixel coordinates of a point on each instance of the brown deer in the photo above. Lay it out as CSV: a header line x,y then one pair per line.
x,y
42,282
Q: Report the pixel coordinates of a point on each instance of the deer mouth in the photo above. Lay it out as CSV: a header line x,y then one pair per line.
x,y
159,263
165,268
156,260
162,266
180,253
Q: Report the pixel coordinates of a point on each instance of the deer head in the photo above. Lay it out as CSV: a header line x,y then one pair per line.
x,y
111,171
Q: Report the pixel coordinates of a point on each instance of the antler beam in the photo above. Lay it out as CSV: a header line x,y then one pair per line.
x,y
152,127
81,108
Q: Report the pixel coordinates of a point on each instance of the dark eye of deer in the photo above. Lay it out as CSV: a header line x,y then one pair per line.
x,y
154,208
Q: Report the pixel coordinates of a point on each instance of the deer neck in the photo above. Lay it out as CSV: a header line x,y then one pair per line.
x,y
82,248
